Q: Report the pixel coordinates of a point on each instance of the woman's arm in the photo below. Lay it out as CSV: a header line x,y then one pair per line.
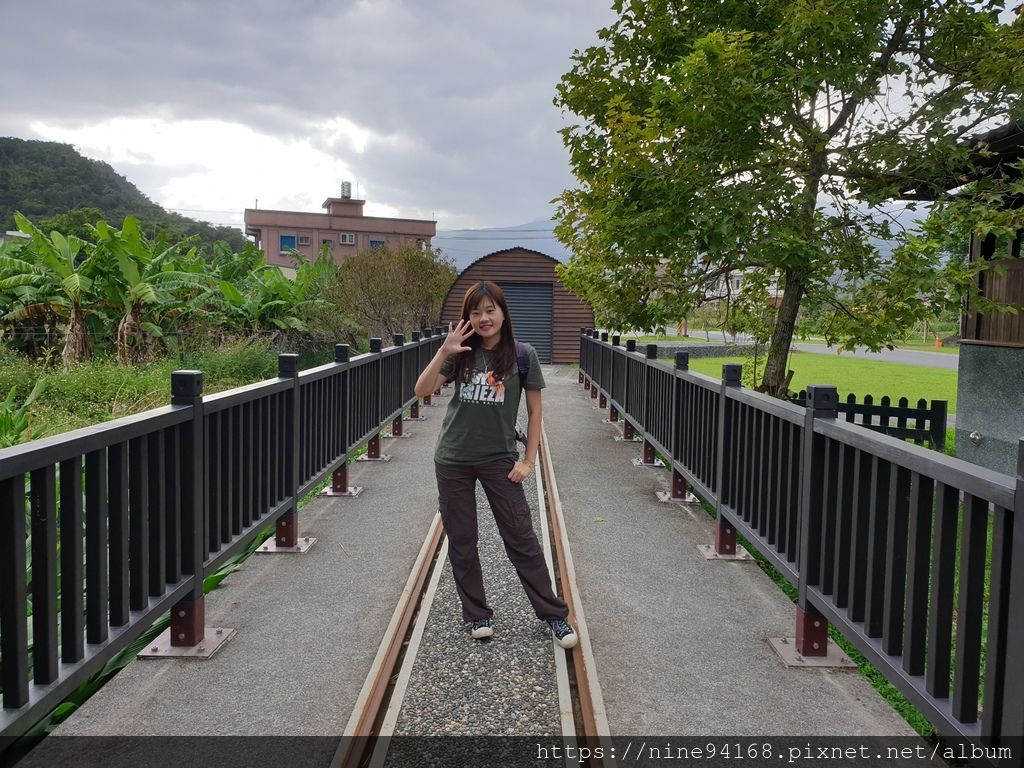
x,y
522,469
431,379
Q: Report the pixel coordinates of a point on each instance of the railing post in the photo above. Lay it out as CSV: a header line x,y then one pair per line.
x,y
286,532
373,444
583,332
427,334
678,481
725,532
188,633
188,617
373,447
396,424
590,360
414,409
1011,726
811,626
613,413
339,478
649,458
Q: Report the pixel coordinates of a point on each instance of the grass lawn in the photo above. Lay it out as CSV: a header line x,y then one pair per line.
x,y
862,377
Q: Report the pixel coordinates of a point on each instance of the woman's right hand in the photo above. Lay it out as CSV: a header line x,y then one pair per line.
x,y
453,342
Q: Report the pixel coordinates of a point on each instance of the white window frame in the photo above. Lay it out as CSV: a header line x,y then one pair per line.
x,y
347,238
305,239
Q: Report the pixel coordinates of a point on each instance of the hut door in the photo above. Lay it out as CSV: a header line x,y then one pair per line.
x,y
530,305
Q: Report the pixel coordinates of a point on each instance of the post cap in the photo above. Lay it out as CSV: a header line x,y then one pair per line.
x,y
631,345
682,360
822,397
615,340
287,365
375,345
186,384
732,374
398,339
604,336
341,353
415,335
652,351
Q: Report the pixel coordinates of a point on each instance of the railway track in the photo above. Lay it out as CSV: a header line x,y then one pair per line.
x,y
368,735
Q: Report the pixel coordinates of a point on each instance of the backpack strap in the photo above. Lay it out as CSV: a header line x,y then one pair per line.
x,y
523,361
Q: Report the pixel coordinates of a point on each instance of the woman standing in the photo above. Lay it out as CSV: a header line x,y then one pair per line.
x,y
478,442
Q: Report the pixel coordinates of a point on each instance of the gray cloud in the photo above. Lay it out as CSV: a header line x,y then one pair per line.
x,y
465,87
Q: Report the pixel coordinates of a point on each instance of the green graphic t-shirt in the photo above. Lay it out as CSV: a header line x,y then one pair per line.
x,y
480,425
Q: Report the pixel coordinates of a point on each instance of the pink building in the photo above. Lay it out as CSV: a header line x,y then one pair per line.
x,y
343,228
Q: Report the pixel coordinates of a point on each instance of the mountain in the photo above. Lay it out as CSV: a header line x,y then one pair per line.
x,y
465,246
42,179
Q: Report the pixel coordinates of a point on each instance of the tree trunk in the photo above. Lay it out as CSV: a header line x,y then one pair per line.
x,y
77,344
774,382
129,336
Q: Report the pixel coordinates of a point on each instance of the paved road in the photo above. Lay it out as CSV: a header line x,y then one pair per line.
x,y
908,356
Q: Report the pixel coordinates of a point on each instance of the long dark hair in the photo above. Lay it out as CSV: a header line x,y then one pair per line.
x,y
504,354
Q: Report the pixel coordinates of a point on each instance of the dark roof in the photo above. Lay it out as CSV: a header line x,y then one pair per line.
x,y
510,250
1006,145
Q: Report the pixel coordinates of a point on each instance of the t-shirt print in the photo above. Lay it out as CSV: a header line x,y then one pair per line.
x,y
484,388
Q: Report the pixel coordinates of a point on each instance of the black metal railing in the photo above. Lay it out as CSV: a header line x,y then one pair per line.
x,y
164,498
914,555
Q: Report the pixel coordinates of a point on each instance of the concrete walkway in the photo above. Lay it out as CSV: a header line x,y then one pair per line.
x,y
680,643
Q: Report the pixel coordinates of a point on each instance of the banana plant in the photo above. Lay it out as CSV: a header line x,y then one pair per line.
x,y
57,273
146,283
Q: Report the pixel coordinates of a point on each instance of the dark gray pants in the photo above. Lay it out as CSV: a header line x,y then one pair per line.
x,y
456,486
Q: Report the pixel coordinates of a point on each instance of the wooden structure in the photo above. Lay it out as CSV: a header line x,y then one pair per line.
x,y
544,313
990,420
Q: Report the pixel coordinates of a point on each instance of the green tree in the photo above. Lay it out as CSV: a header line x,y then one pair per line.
x,y
394,290
718,136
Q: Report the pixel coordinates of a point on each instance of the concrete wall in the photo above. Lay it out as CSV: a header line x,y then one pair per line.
x,y
990,401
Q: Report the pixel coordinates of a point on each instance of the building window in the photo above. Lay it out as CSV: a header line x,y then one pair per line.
x,y
304,240
287,242
374,244
327,241
348,238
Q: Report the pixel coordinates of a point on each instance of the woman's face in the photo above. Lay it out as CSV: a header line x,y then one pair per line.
x,y
486,319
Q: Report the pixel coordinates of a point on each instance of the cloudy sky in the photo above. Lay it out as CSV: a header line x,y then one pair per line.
x,y
439,109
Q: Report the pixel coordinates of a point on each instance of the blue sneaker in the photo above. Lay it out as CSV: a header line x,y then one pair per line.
x,y
563,632
481,628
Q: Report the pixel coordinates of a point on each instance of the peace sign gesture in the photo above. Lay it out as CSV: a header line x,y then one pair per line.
x,y
453,342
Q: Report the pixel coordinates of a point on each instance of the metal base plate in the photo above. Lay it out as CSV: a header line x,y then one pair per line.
x,y
269,547
161,648
383,457
666,496
708,550
353,490
617,422
398,437
638,462
786,648
621,439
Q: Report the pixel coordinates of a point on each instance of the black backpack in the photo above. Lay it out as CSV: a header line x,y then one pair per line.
x,y
523,362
